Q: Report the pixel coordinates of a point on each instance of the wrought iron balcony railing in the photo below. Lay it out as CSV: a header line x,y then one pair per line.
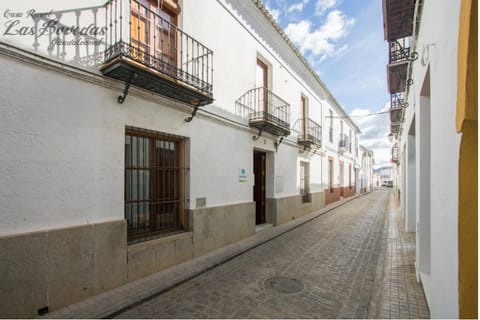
x,y
398,101
343,143
162,57
265,111
310,133
400,50
129,41
397,105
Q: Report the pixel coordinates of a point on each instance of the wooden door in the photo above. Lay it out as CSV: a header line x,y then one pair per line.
x,y
259,194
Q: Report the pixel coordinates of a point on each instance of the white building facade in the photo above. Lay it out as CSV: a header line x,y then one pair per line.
x,y
133,145
423,77
366,172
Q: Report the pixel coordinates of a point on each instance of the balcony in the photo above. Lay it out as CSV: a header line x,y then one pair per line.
x,y
395,158
310,133
400,51
397,105
265,111
398,18
397,69
343,143
145,50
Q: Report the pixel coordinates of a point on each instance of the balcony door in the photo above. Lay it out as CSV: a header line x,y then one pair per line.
x,y
303,110
262,82
153,31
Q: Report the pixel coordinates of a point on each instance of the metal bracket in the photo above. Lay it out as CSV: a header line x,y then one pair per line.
x,y
255,138
194,113
131,77
277,143
304,149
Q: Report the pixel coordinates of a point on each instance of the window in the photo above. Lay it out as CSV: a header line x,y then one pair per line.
x,y
262,82
304,182
153,184
350,176
153,30
304,115
330,129
350,141
356,145
330,174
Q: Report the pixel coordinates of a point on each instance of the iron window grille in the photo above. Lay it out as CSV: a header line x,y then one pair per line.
x,y
153,178
305,182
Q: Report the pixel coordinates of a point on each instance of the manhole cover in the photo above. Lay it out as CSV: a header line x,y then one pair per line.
x,y
284,285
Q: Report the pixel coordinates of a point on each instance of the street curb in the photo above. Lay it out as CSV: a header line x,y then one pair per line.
x,y
116,301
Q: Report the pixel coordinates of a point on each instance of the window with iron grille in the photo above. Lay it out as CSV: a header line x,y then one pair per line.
x,y
304,182
350,176
330,174
330,129
153,185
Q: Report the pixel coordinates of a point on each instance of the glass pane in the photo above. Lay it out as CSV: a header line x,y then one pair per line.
x,y
128,185
134,151
134,184
140,185
147,185
147,153
128,150
141,151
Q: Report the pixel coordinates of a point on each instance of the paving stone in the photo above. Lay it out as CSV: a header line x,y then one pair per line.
x,y
353,259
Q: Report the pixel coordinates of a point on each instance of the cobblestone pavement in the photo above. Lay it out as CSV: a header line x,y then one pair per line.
x,y
341,259
398,294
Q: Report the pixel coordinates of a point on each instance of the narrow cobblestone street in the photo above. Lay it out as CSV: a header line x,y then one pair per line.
x,y
342,263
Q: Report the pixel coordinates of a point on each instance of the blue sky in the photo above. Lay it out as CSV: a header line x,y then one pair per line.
x,y
343,41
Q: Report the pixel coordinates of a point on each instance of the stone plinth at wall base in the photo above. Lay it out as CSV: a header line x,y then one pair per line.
x,y
151,256
348,191
282,210
215,227
52,269
332,195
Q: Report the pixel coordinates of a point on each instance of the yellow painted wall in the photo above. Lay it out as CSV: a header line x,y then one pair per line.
x,y
467,124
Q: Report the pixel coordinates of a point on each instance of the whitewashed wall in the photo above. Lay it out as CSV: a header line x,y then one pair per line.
x,y
437,48
64,161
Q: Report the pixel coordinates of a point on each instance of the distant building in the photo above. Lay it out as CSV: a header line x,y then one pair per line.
x,y
383,174
366,170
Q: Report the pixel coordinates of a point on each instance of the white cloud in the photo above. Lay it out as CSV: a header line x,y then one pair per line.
x,y
375,130
297,6
323,5
320,42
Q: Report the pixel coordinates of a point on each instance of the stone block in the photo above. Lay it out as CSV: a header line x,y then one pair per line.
x,y
184,248
216,227
71,264
141,260
164,255
23,275
110,269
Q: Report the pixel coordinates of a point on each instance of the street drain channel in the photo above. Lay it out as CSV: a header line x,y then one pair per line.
x,y
284,285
